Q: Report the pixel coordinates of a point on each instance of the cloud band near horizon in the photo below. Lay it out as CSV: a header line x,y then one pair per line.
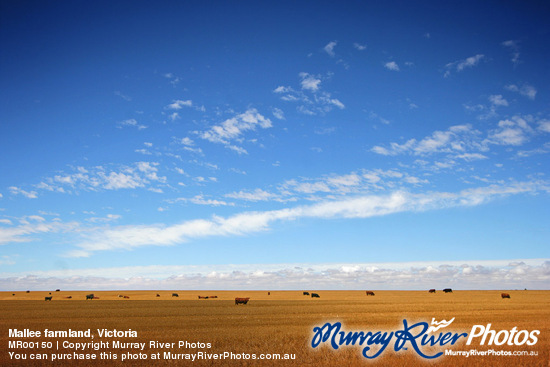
x,y
135,236
460,275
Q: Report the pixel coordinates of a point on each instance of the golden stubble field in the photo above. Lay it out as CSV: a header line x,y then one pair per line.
x,y
281,322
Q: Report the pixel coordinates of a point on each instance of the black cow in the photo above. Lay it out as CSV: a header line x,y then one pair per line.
x,y
448,290
315,295
175,295
48,298
305,293
89,296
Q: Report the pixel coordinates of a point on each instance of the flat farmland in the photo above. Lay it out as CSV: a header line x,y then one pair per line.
x,y
280,323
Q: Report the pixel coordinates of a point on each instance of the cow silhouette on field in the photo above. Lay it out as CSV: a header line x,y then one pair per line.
x,y
241,301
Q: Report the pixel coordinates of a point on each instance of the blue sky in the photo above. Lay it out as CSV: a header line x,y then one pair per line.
x,y
280,145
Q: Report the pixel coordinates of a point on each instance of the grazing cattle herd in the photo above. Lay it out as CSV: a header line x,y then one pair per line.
x,y
244,301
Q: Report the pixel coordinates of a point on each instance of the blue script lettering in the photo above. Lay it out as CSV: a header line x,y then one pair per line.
x,y
323,333
409,334
405,335
377,338
339,338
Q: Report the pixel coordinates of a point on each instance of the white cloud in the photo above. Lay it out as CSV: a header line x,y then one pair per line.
x,y
233,129
282,89
465,143
465,275
352,179
544,125
132,123
187,141
105,219
278,113
336,103
237,149
374,116
140,175
119,180
460,65
382,151
174,80
391,65
179,104
514,131
359,46
457,139
35,218
471,156
310,82
525,90
124,97
469,62
355,183
38,225
329,48
498,100
313,100
514,47
201,200
130,237
256,195
28,194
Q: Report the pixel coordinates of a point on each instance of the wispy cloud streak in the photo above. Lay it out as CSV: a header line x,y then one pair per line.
x,y
131,237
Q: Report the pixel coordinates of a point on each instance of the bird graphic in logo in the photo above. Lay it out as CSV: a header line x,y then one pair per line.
x,y
439,325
